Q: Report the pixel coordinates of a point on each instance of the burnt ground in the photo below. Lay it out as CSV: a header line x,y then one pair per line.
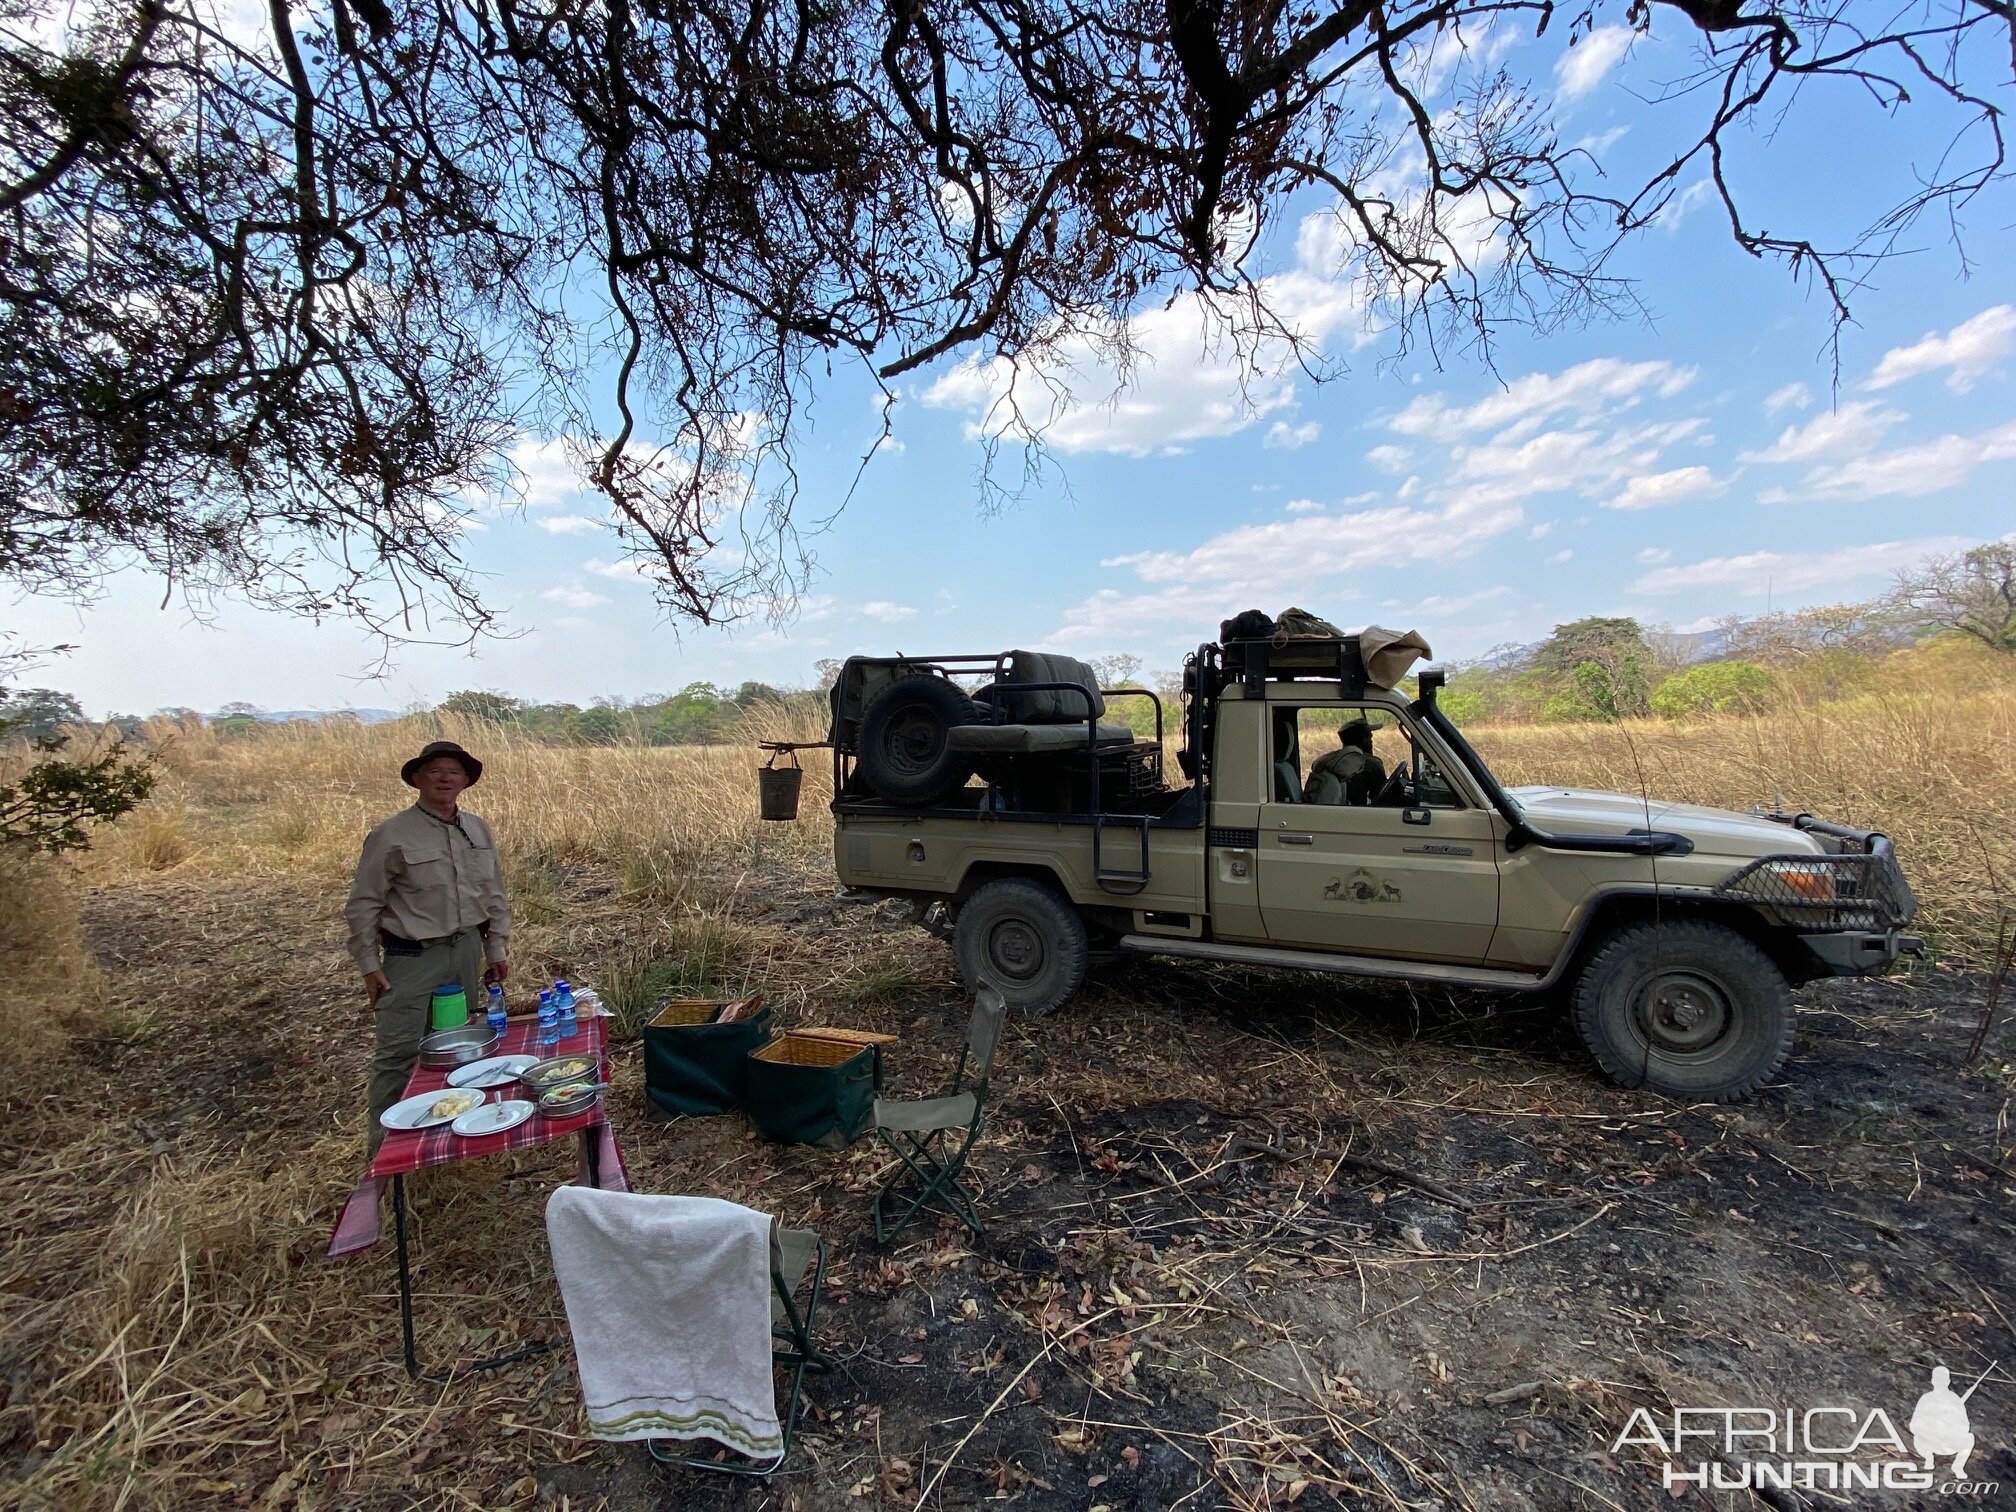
x,y
1254,1240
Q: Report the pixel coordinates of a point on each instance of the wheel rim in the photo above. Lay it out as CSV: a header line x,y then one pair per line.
x,y
1015,950
912,741
1682,1013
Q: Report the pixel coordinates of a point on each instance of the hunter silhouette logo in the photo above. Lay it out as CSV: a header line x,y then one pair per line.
x,y
1939,1425
1829,1448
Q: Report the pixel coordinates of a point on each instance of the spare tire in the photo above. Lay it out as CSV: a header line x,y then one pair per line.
x,y
902,750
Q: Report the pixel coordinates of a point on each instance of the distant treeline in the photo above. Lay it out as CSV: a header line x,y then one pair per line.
x,y
1954,609
698,714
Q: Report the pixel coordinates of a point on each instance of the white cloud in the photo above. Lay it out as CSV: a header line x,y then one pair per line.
x,y
1971,349
1910,471
574,598
1601,142
887,613
1559,557
1854,428
1301,558
1673,214
1188,380
629,570
1599,386
1789,396
1651,490
1589,61
1441,607
1303,506
1581,461
1392,459
1170,375
1543,530
1110,619
1283,437
544,473
569,524
1653,555
1760,572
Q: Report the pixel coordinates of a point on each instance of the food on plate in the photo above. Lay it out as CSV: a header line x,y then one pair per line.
x,y
574,1066
564,1097
454,1105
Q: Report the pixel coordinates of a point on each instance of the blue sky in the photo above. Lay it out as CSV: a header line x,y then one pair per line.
x,y
1697,463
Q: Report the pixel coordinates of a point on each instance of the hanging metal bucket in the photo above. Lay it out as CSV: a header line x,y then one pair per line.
x,y
777,787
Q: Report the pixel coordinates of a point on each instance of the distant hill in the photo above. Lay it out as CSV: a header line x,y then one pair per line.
x,y
1692,645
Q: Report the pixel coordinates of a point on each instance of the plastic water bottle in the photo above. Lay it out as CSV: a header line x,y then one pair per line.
x,y
563,999
495,1011
549,1022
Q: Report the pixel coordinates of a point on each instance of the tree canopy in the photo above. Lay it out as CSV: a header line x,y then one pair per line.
x,y
1971,594
277,299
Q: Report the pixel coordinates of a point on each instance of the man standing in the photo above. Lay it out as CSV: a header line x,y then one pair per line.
x,y
1358,772
426,908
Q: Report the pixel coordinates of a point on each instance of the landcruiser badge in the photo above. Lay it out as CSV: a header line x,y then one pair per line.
x,y
1438,850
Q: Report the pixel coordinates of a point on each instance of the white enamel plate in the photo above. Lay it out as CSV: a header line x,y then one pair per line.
x,y
417,1112
492,1118
497,1071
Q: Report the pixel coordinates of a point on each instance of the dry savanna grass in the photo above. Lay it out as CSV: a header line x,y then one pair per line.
x,y
1933,768
172,1338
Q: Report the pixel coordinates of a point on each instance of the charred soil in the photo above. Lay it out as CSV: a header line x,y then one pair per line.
x,y
1253,1240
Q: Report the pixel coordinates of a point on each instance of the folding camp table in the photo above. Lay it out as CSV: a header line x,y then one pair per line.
x,y
406,1151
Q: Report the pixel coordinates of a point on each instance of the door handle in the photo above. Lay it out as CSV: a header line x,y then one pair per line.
x,y
1296,839
1415,816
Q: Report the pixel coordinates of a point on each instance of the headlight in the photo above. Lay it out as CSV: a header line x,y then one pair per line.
x,y
1812,884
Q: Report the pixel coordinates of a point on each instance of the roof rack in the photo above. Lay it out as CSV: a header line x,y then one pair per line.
x,y
1317,658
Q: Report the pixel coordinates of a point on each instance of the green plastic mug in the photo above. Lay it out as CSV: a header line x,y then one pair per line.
x,y
449,1008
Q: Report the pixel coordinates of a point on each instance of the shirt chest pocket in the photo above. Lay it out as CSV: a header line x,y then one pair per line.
x,y
425,864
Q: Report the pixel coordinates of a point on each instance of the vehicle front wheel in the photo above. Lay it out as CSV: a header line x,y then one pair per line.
x,y
1687,1008
1025,939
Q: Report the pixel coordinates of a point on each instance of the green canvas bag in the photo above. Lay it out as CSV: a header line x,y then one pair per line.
x,y
807,1090
700,1069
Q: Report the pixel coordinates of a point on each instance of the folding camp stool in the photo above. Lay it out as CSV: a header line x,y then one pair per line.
x,y
797,1258
937,1134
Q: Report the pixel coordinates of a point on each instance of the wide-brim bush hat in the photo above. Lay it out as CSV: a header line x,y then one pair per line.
x,y
435,748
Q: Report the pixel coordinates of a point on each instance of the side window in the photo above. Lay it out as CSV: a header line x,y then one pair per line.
x,y
1356,756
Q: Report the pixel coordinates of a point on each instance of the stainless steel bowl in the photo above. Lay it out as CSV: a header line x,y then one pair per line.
x,y
562,1070
446,1049
565,1099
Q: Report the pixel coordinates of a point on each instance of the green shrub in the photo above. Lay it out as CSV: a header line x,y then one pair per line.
x,y
1720,687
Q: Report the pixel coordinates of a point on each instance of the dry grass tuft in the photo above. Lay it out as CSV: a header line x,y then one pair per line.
x,y
1935,769
52,990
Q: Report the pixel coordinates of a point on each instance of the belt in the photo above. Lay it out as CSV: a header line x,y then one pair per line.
x,y
401,946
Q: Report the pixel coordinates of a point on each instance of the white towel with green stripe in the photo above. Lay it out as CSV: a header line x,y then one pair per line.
x,y
668,1299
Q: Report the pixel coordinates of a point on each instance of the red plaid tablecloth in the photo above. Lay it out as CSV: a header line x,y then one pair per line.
x,y
406,1151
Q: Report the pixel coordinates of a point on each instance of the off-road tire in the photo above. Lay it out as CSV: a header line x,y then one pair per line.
x,y
902,751
1686,1008
1025,939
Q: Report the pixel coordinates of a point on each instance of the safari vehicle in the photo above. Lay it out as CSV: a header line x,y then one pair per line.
x,y
1035,831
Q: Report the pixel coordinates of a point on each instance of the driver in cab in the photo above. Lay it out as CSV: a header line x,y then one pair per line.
x,y
1351,774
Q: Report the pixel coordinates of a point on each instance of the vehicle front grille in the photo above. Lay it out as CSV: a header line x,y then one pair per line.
x,y
1828,892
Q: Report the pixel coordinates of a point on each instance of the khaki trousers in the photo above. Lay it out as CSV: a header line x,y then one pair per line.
x,y
402,1016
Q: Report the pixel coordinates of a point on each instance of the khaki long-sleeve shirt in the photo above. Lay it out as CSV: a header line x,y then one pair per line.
x,y
422,877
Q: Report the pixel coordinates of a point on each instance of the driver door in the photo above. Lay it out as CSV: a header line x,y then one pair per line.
x,y
1415,876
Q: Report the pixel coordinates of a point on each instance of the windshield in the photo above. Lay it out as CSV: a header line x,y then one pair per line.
x,y
1432,716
